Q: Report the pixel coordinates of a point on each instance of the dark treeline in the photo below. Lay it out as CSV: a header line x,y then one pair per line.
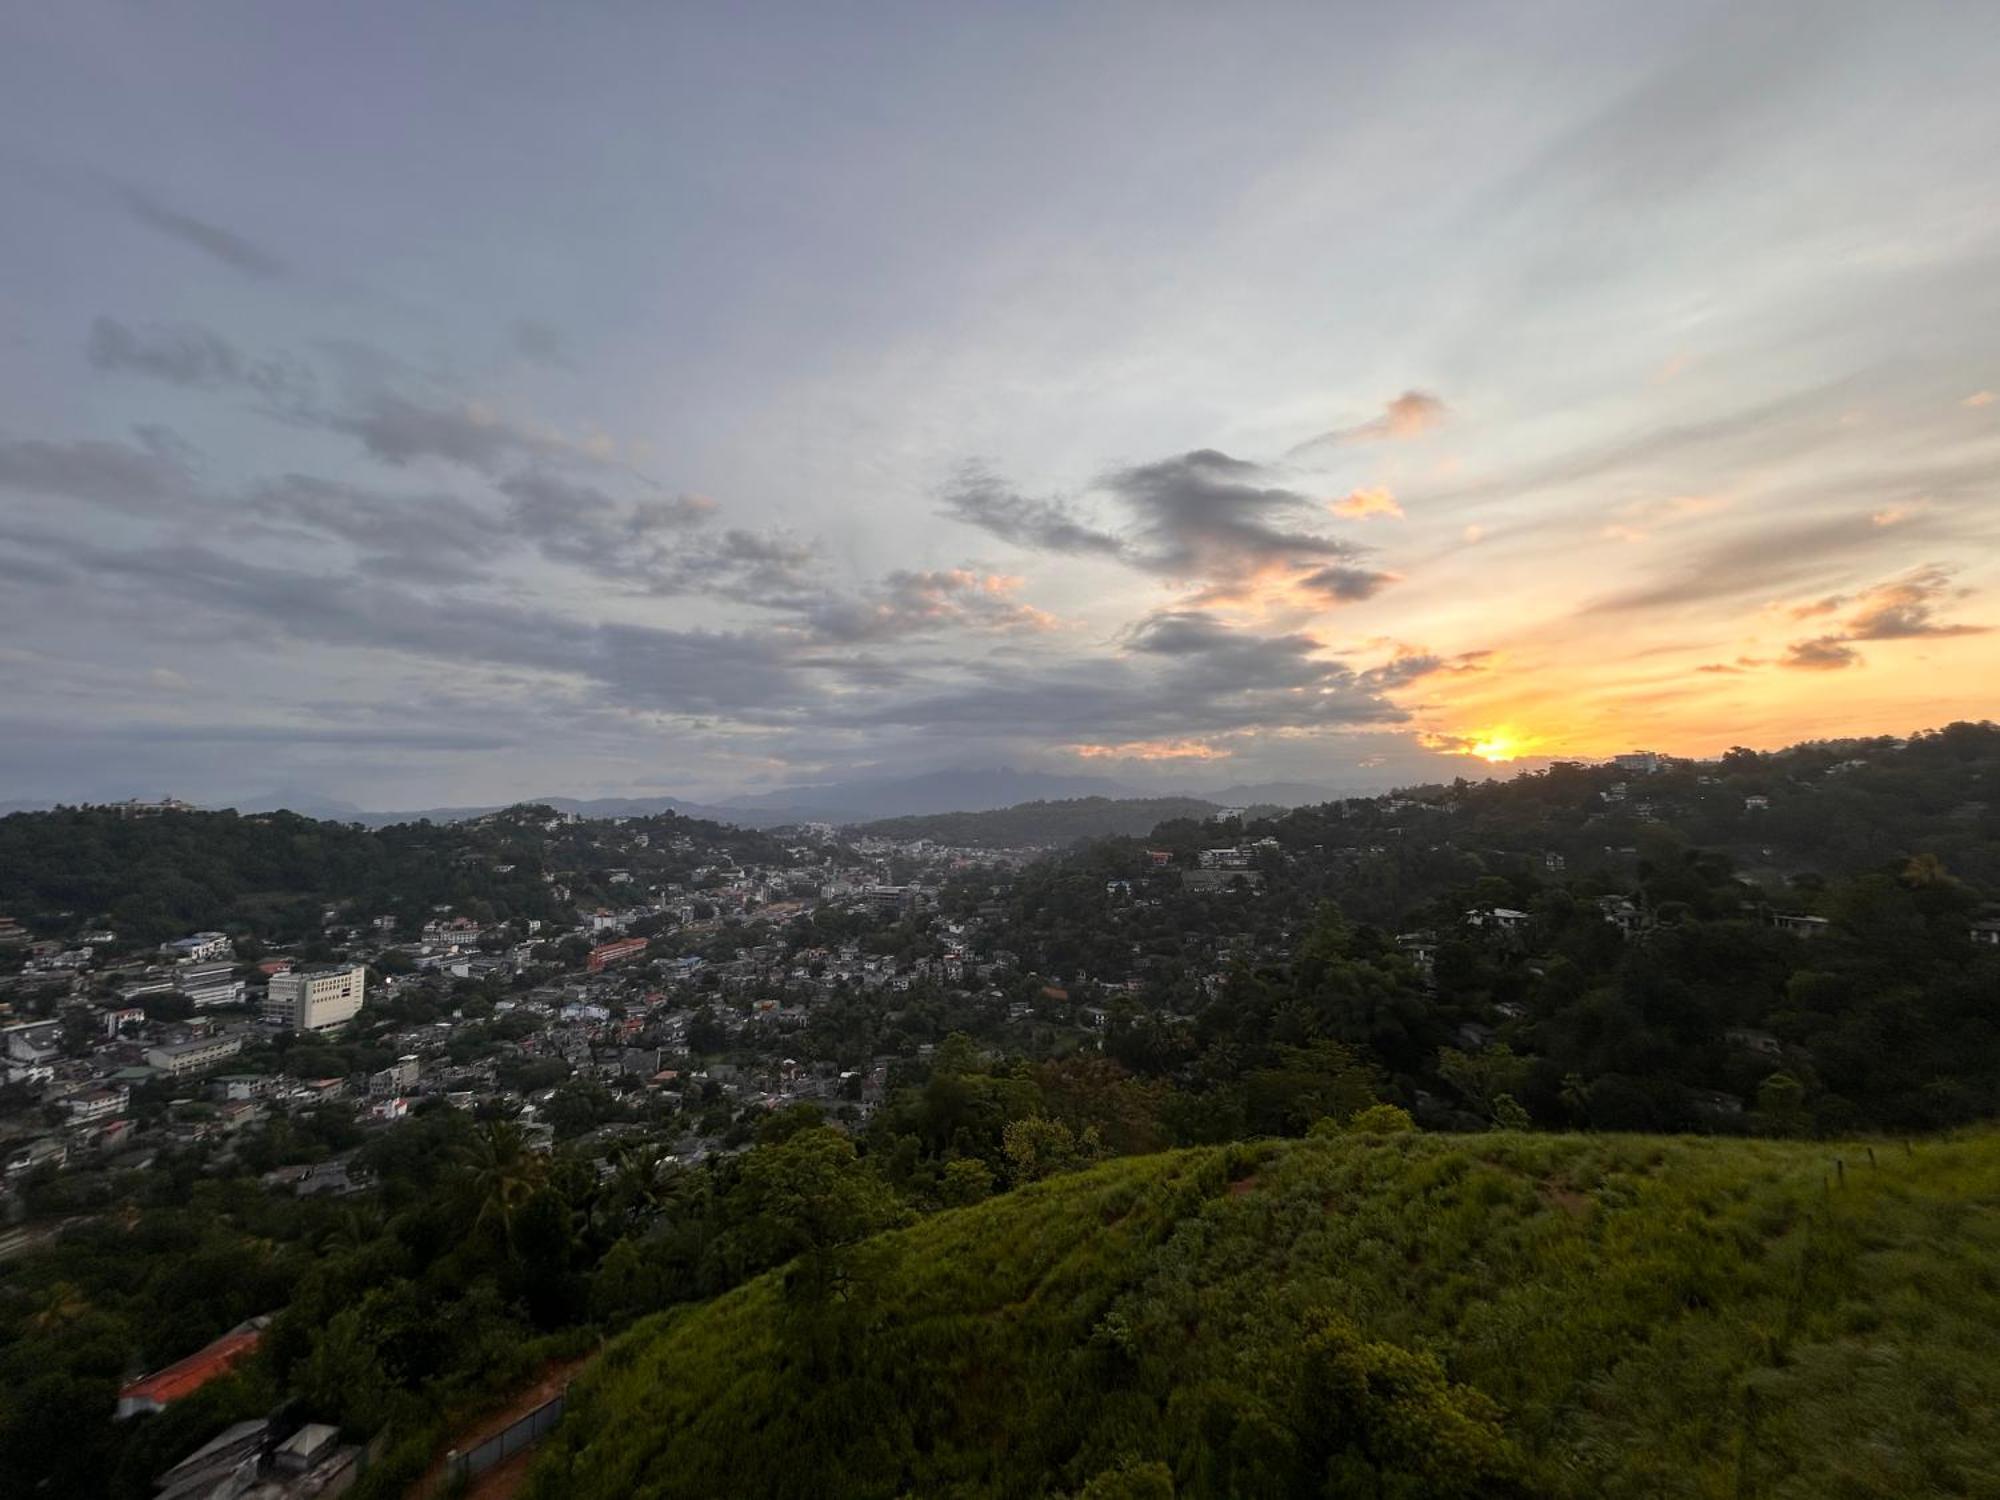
x,y
272,875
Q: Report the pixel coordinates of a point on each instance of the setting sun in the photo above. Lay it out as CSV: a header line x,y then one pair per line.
x,y
1498,745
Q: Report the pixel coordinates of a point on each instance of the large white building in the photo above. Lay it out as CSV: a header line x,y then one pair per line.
x,y
318,998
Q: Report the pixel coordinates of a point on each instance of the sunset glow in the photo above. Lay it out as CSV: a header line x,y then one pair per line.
x,y
991,450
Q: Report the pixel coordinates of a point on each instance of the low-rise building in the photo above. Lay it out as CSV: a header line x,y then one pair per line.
x,y
209,984
98,1104
198,946
186,1376
621,951
398,1078
179,1059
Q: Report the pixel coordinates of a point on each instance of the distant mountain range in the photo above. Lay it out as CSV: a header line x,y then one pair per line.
x,y
1045,824
857,801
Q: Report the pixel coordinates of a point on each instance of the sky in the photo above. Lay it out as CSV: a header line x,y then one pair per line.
x,y
421,404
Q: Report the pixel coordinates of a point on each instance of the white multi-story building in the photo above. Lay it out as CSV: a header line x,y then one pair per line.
x,y
98,1104
317,998
199,947
209,984
177,1059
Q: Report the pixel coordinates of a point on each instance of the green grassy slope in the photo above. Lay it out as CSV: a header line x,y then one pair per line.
x,y
1400,1316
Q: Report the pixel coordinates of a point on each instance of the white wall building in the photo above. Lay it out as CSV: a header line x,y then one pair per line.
x,y
317,998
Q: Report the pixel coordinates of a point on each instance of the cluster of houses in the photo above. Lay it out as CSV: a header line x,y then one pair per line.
x,y
177,1020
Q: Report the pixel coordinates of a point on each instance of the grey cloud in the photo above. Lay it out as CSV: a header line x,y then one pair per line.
x,y
1343,585
637,666
1409,666
980,499
1207,515
31,571
1202,516
231,249
417,527
1762,559
182,354
910,603
300,734
1905,608
398,431
1227,689
580,523
540,342
123,476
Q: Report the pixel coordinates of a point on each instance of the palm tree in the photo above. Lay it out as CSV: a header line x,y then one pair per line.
x,y
504,1173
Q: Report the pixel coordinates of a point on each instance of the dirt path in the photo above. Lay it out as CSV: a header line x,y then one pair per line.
x,y
504,1480
496,1483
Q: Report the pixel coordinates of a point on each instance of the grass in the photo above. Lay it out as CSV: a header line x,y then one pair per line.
x,y
1642,1316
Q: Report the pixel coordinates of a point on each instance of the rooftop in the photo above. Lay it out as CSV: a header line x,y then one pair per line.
x,y
185,1376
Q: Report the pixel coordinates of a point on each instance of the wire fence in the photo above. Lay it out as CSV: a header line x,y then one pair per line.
x,y
506,1443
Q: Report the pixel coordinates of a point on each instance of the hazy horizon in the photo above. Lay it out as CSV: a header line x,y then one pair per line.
x,y
438,406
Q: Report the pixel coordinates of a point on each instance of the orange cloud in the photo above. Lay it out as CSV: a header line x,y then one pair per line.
x,y
1826,653
1151,750
1360,504
1981,398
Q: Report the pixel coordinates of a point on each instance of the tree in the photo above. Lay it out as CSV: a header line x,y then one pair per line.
x,y
965,1180
1039,1147
1484,1078
805,1200
504,1174
1379,1119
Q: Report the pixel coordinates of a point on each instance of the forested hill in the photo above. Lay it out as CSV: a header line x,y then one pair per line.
x,y
1044,824
1805,935
1354,1315
271,875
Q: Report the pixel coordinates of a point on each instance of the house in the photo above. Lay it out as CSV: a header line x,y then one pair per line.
x,y
198,946
98,1104
1986,932
398,1078
1756,804
178,1059
1760,1042
1622,914
184,1377
117,1017
616,952
1797,925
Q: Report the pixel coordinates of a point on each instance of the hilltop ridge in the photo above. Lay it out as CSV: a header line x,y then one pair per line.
x,y
1404,1315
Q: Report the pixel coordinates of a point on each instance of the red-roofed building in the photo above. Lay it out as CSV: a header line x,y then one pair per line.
x,y
186,1376
613,953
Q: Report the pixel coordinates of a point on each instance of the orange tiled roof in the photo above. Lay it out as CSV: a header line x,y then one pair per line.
x,y
185,1376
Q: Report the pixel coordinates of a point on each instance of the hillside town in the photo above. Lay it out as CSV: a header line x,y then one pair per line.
x,y
635,1003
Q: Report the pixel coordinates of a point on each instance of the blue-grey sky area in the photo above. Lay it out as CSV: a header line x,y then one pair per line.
x,y
421,403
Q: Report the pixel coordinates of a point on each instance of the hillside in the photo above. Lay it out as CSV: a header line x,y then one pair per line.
x,y
1045,824
1406,1315
271,874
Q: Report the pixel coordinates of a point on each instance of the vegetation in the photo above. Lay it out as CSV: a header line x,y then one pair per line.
x,y
1367,1314
1043,825
271,876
